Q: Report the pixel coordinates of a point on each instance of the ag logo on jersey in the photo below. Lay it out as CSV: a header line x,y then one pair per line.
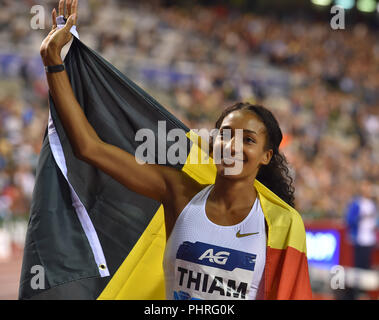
x,y
207,254
219,257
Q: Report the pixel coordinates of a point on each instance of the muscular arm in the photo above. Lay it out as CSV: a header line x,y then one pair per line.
x,y
173,188
147,179
154,181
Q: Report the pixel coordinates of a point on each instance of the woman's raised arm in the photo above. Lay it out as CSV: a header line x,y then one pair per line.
x,y
150,180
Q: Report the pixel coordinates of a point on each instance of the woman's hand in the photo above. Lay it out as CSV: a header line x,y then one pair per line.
x,y
52,45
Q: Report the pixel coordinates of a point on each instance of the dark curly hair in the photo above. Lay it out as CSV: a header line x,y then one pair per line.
x,y
275,175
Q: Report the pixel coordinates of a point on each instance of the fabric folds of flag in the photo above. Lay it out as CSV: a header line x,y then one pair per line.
x,y
95,239
83,224
286,275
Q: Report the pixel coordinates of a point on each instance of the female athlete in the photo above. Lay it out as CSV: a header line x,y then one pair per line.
x,y
234,239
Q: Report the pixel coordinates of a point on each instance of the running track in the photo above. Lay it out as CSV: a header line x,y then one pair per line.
x,y
10,270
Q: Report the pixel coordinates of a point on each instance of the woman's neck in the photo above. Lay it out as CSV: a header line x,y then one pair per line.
x,y
231,193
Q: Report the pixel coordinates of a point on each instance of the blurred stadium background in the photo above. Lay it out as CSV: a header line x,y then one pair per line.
x,y
197,57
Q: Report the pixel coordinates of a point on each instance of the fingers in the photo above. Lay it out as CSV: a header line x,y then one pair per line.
x,y
71,9
74,9
61,8
70,21
68,8
54,18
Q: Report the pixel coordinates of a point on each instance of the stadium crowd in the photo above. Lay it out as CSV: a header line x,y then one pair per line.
x,y
322,84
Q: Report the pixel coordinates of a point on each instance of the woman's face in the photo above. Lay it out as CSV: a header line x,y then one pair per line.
x,y
241,152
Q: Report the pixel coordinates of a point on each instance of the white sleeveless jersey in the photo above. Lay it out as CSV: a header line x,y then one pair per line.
x,y
204,260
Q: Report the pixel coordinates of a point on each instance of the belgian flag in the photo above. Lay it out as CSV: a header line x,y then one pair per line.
x,y
83,224
89,237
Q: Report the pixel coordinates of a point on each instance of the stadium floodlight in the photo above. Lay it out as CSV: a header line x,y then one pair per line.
x,y
346,4
321,2
366,5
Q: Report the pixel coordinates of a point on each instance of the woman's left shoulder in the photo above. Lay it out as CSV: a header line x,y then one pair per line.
x,y
278,211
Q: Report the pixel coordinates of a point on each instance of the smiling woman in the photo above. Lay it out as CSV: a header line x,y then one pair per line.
x,y
222,243
234,239
272,171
